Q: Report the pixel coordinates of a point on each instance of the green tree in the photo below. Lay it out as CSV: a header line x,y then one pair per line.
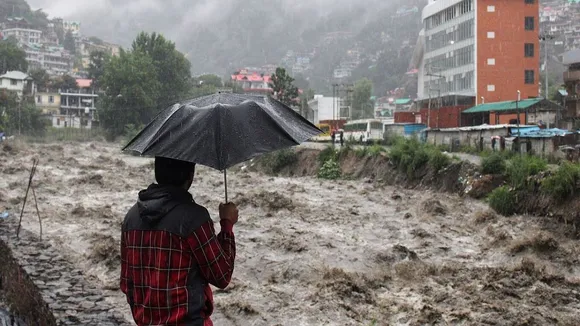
x,y
20,115
283,87
41,79
65,82
97,63
12,57
69,42
362,106
172,69
132,92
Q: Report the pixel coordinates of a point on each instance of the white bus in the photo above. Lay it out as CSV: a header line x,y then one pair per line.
x,y
363,130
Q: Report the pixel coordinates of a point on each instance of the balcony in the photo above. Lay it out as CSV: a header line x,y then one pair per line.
x,y
572,76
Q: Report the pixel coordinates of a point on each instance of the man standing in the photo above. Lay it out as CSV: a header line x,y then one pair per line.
x,y
333,137
341,138
170,252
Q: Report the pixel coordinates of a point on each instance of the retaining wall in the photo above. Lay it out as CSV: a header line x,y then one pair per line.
x,y
43,288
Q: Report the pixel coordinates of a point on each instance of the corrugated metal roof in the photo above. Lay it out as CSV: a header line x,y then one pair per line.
x,y
402,101
504,106
18,75
544,133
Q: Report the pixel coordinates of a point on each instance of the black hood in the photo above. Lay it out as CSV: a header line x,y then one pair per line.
x,y
158,200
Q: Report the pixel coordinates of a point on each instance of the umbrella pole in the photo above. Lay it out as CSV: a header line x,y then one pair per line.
x,y
226,184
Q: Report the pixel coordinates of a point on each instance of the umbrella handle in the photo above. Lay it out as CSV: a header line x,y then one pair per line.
x,y
226,184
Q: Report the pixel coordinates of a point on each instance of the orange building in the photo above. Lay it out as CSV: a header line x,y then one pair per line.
x,y
474,51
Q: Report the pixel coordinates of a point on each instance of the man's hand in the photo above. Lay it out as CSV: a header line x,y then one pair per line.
x,y
229,212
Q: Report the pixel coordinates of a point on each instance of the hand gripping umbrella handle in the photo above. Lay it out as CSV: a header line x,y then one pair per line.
x,y
226,184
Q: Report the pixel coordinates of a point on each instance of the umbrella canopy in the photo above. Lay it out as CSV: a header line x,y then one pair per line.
x,y
222,130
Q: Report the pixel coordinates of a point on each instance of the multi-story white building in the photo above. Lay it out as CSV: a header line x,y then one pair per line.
x,y
53,59
324,108
24,35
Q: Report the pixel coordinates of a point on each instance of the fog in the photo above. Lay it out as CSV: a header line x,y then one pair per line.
x,y
209,31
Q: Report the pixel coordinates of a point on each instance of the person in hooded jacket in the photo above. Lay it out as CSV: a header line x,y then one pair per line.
x,y
170,253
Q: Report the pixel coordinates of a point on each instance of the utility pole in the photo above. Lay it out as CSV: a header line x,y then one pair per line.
x,y
439,98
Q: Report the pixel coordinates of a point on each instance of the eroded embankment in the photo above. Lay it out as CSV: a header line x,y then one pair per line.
x,y
460,177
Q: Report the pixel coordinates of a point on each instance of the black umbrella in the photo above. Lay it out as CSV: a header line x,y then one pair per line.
x,y
222,130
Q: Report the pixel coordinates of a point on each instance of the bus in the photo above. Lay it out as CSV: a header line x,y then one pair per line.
x,y
363,130
326,133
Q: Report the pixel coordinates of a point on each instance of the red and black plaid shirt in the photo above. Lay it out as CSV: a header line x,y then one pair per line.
x,y
156,265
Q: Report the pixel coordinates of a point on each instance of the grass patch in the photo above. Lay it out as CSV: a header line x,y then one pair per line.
x,y
563,183
520,168
409,155
276,161
376,150
502,200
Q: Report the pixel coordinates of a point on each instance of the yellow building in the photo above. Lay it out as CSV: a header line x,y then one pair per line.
x,y
48,102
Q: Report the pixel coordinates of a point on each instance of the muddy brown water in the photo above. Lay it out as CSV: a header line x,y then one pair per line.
x,y
312,252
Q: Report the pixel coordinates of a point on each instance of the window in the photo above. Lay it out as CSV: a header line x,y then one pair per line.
x,y
51,99
13,82
529,2
39,99
491,88
529,76
490,8
529,49
490,34
491,62
529,23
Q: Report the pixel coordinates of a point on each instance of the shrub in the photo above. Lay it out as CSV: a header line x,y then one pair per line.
x,y
493,164
520,168
330,170
438,160
562,184
276,161
376,150
502,200
327,154
409,155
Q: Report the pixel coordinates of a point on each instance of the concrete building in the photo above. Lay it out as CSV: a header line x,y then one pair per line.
x,y
475,50
79,104
48,102
572,80
18,82
24,35
252,81
324,108
54,59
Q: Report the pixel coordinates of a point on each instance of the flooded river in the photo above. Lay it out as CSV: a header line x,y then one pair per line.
x,y
312,252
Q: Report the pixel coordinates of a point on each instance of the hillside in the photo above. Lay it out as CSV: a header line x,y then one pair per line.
x,y
221,37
